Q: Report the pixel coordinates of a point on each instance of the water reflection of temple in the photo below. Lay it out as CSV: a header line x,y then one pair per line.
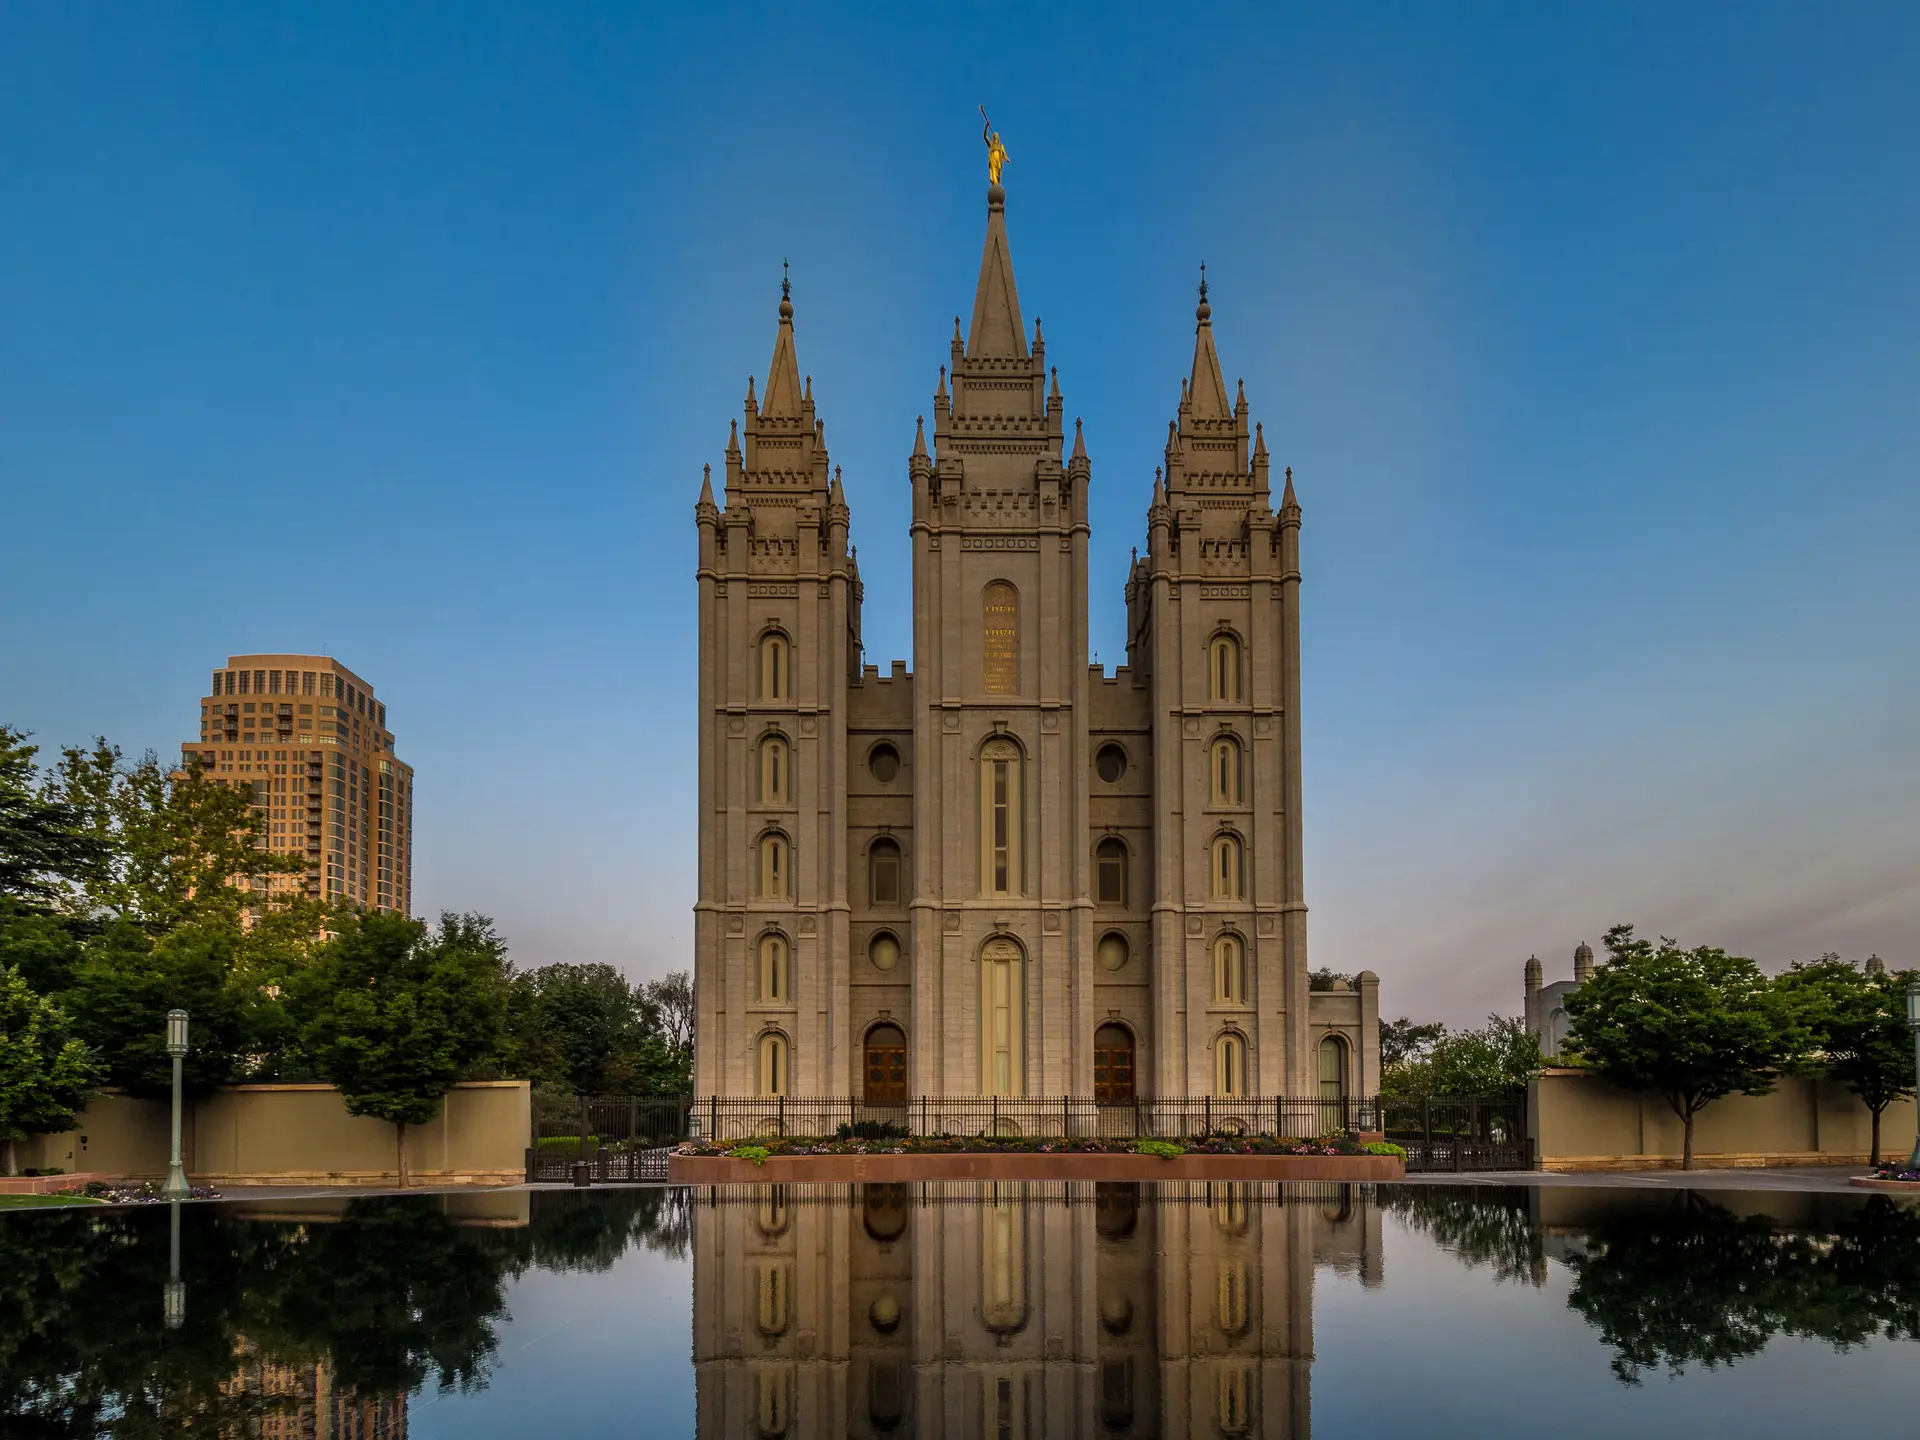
x,y
302,1402
1010,1311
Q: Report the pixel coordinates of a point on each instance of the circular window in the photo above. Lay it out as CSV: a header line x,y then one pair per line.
x,y
883,762
884,951
1112,951
884,1313
1110,763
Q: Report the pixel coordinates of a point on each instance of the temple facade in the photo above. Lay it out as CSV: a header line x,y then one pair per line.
x,y
1006,872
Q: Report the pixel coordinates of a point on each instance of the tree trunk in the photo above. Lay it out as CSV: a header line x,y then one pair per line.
x,y
12,1171
400,1148
1686,1153
1874,1158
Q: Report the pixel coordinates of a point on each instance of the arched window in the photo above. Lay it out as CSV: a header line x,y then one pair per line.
x,y
1000,639
1230,1208
772,1297
773,987
774,1213
1223,668
1236,1400
1110,872
776,667
776,1076
1229,786
1230,1065
773,771
772,1402
883,873
1230,970
1233,1301
1003,1263
1229,867
776,863
1333,1068
1002,986
1000,818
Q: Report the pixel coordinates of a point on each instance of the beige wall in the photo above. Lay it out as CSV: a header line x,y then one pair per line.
x,y
299,1135
1581,1123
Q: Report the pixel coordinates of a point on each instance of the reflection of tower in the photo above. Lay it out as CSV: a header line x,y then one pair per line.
x,y
1016,1310
302,1402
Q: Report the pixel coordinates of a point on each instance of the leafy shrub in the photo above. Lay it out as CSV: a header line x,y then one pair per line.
x,y
872,1130
756,1153
1385,1147
1165,1149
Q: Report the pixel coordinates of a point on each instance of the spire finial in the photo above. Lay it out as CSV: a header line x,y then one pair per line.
x,y
1203,311
786,293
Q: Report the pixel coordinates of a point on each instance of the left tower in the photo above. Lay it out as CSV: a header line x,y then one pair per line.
x,y
779,640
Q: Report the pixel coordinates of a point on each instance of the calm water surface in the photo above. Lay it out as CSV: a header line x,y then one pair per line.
x,y
996,1312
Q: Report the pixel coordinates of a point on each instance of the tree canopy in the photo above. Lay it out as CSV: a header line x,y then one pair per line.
x,y
1856,1026
1690,1025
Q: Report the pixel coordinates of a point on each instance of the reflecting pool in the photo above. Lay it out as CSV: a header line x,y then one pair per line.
x,y
984,1311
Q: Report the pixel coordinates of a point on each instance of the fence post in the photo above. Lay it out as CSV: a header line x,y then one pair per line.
x,y
781,1117
583,1125
1066,1115
1209,1115
996,1115
713,1117
1426,1130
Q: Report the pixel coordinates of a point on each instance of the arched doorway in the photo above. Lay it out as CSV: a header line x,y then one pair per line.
x,y
1113,1065
886,1068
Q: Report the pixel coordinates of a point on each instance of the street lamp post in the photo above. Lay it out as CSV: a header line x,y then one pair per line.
x,y
176,1187
1913,1021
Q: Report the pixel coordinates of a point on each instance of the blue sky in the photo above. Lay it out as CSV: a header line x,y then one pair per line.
x,y
403,332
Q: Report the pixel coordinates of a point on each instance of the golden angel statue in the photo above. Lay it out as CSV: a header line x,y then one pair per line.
x,y
996,152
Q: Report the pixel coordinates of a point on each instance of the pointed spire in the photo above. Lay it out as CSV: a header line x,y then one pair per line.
x,y
809,395
733,437
783,372
836,495
1208,392
997,331
1055,392
941,393
919,437
752,404
706,485
1159,490
1079,441
1287,500
1260,442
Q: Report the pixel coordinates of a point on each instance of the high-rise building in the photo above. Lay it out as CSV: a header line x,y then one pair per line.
x,y
1008,872
307,737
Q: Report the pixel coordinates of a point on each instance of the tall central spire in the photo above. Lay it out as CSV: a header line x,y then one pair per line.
x,y
1207,391
783,371
997,332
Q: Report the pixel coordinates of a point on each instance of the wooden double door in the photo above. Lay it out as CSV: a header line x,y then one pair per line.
x,y
1113,1065
886,1066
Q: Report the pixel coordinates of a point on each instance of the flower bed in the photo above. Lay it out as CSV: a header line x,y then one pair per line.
x,y
1891,1175
773,1146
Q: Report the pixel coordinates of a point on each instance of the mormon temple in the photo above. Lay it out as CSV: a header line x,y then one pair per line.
x,y
1005,872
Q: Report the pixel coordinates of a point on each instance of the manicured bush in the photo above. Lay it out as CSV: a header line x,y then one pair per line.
x,y
1385,1147
1165,1149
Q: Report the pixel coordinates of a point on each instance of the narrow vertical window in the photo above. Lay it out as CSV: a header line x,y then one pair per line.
x,y
775,861
1227,782
1230,1066
774,1076
1333,1069
1229,868
1110,872
773,970
773,771
1223,667
1230,970
883,873
1000,818
776,679
1001,985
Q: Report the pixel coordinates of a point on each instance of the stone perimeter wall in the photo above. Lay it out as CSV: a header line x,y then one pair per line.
x,y
1579,1122
297,1135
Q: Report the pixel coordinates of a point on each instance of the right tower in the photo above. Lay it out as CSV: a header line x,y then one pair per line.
x,y
1213,624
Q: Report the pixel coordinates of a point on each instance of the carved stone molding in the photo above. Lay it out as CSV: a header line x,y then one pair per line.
x,y
806,924
1195,925
999,542
1050,922
951,922
1226,592
1264,924
736,924
774,590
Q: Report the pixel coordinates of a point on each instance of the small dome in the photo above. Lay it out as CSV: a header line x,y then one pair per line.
x,y
1583,951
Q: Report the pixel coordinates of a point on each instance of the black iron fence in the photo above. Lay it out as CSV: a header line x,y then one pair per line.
x,y
1459,1132
627,1137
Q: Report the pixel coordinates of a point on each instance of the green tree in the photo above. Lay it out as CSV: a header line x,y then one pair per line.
x,y
574,1024
176,845
1495,1062
1858,1028
393,1013
1402,1041
1689,1025
126,983
45,844
44,1069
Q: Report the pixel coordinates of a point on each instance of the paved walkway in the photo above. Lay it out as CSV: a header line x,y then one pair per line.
x,y
1808,1177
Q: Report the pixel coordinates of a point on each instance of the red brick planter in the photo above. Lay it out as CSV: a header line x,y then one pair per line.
x,y
1870,1182
836,1169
